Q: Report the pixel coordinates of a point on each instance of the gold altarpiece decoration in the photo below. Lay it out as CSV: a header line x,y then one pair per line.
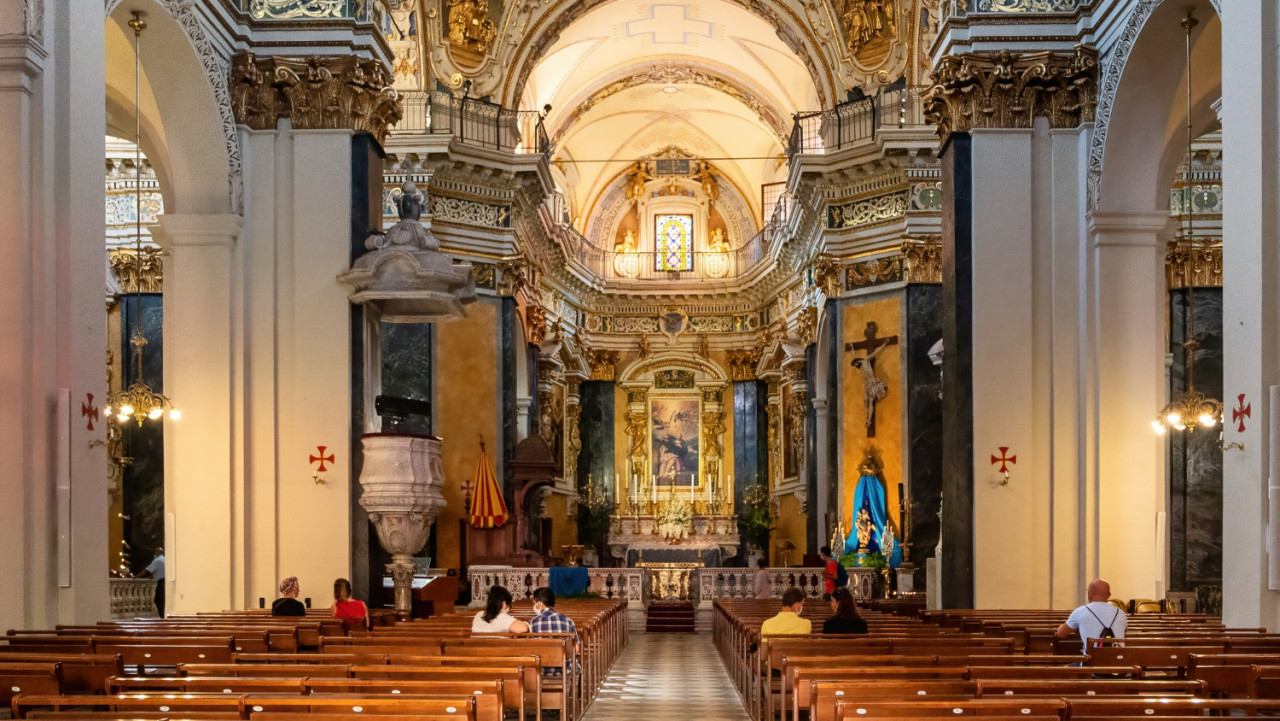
x,y
1009,90
315,93
1193,267
922,259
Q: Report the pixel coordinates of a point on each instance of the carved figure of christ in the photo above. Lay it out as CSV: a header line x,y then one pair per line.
x,y
873,389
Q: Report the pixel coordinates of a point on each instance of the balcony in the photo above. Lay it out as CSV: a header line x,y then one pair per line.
x,y
474,122
854,122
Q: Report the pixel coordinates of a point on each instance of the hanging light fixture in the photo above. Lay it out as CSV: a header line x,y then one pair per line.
x,y
138,402
1191,408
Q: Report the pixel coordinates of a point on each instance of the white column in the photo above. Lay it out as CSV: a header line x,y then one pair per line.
x,y
1127,488
51,310
1007,571
523,406
1251,301
199,378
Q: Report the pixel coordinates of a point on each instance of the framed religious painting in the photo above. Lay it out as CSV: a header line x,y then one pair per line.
x,y
673,433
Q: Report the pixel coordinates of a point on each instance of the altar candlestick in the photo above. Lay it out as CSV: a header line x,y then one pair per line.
x,y
655,490
691,484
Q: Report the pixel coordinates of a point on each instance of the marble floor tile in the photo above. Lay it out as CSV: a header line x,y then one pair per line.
x,y
667,675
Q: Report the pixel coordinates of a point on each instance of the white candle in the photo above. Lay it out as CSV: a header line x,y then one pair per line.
x,y
655,488
692,481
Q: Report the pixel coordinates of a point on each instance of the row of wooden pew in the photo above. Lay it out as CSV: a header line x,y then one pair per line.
x,y
999,664
242,665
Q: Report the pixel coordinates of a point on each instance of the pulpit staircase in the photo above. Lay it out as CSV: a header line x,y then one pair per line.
x,y
669,617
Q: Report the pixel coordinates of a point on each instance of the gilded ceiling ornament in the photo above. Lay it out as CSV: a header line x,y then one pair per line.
x,y
469,25
316,93
922,259
870,29
1008,90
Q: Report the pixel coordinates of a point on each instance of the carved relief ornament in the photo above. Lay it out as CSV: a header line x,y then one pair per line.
x,y
316,93
922,260
826,276
807,326
138,275
1188,267
1007,90
603,363
742,364
535,324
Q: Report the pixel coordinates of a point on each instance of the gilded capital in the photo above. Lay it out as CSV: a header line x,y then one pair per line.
x,y
1193,267
922,259
315,93
1010,90
136,274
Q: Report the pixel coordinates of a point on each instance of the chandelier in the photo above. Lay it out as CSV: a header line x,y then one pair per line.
x,y
1190,408
138,402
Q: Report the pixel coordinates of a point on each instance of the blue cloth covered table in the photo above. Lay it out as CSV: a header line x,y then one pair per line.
x,y
568,581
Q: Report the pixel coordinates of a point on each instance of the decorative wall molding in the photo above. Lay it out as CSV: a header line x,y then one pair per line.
x,y
1010,90
315,93
1198,267
878,271
866,211
470,212
1027,6
603,363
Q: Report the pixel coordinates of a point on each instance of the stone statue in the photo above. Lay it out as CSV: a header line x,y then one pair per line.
x,y
628,244
644,345
636,180
710,186
704,346
717,243
409,231
470,26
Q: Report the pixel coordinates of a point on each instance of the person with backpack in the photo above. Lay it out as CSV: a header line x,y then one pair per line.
x,y
1097,618
834,575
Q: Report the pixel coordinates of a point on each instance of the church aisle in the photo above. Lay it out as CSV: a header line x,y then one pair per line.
x,y
667,675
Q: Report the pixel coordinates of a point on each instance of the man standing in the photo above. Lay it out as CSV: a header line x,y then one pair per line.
x,y
830,571
788,620
156,570
1097,618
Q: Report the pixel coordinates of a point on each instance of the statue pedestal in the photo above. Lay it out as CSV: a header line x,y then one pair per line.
x,y
402,477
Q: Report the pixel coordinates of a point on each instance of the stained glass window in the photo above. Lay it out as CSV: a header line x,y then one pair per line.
x,y
673,246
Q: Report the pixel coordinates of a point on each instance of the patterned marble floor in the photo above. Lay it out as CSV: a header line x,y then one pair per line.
x,y
667,676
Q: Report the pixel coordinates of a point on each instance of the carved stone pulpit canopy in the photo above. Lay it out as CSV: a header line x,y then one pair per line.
x,y
405,275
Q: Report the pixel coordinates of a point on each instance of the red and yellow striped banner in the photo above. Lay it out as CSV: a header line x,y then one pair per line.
x,y
488,510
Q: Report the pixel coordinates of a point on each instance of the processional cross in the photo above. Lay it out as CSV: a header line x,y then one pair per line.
x,y
873,388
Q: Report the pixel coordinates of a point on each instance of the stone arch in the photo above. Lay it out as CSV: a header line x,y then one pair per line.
x,y
191,132
1131,164
636,371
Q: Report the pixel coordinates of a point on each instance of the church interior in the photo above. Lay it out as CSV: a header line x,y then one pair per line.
x,y
676,309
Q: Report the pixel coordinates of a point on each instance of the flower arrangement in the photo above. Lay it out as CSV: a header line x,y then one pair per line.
x,y
593,511
755,522
676,520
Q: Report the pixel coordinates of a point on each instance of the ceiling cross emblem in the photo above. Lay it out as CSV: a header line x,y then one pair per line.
x,y
1238,414
90,411
668,24
322,459
1004,459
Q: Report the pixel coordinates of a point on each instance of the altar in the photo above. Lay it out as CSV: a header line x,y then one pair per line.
x,y
704,540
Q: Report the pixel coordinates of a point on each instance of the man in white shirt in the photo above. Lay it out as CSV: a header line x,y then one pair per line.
x,y
156,570
1094,618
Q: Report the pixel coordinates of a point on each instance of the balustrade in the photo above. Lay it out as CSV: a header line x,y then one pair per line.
x,y
473,121
635,584
133,598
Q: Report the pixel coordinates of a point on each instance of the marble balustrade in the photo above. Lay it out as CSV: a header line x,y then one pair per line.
x,y
133,598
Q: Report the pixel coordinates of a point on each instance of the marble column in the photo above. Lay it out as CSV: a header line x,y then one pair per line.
x,y
1251,307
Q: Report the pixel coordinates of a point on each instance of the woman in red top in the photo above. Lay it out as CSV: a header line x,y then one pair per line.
x,y
352,611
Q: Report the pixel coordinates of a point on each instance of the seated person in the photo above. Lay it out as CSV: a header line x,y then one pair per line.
x,y
1097,618
788,620
352,611
496,616
288,603
846,619
549,620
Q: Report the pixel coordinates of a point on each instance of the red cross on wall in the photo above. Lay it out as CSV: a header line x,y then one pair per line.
x,y
89,410
322,459
1240,412
1004,460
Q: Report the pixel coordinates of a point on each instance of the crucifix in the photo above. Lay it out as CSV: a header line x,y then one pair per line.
x,y
873,388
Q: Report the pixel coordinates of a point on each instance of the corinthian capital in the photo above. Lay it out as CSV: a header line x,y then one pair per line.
x,y
1010,90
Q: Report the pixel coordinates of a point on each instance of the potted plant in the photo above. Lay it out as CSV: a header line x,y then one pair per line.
x,y
755,522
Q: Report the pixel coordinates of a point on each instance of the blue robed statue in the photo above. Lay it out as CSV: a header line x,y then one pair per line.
x,y
872,532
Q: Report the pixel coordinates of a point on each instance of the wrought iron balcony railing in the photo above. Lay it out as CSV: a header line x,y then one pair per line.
x,y
473,121
853,122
